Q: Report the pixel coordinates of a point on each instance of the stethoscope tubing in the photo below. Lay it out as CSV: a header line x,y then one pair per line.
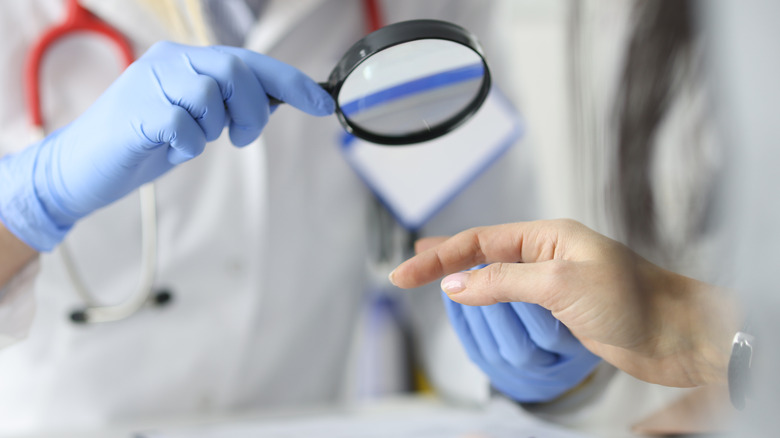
x,y
80,20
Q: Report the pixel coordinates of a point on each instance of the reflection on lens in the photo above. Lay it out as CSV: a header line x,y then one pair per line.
x,y
412,87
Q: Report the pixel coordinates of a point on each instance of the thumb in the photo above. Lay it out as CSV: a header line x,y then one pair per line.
x,y
538,283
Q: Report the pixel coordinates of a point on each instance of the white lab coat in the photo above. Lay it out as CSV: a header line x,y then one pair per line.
x,y
265,248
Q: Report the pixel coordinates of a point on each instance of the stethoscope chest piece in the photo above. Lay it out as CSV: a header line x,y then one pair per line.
x,y
157,299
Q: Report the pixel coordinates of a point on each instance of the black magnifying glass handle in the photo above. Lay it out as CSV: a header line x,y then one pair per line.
x,y
276,102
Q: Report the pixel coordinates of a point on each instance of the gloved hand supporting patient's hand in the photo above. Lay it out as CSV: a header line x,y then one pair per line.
x,y
160,112
652,323
527,353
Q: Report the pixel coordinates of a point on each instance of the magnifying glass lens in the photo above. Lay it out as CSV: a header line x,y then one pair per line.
x,y
412,87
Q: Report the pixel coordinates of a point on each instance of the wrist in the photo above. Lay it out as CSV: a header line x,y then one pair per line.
x,y
14,255
48,183
21,210
714,319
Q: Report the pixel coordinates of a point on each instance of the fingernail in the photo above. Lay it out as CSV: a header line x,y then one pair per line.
x,y
390,277
455,283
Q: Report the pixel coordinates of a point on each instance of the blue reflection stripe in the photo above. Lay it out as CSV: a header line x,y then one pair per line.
x,y
426,83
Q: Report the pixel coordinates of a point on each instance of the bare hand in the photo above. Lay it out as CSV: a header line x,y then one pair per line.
x,y
658,326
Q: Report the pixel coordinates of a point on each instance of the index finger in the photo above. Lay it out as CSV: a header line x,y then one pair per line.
x,y
507,243
425,243
285,82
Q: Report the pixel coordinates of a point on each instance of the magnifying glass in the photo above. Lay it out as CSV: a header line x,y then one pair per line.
x,y
409,82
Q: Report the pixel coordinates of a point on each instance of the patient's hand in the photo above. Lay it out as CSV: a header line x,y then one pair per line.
x,y
655,324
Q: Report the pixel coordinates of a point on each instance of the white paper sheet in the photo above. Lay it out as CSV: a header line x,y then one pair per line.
x,y
416,181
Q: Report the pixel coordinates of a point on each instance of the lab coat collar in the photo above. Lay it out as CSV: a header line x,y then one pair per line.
x,y
279,19
143,28
132,19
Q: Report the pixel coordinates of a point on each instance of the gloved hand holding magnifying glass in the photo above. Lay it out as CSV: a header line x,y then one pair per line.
x,y
405,83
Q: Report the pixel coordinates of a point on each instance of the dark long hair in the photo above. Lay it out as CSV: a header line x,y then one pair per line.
x,y
660,40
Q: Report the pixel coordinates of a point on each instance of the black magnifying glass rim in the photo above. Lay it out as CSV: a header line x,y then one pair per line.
x,y
393,35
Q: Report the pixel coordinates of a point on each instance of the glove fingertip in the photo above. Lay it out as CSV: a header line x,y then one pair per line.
x,y
176,157
327,106
242,136
320,101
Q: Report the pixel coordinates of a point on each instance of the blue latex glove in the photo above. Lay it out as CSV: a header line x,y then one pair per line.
x,y
526,353
159,113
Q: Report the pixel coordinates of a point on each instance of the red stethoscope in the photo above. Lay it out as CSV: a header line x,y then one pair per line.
x,y
79,20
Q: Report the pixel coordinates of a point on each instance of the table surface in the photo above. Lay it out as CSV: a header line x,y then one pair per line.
x,y
398,416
